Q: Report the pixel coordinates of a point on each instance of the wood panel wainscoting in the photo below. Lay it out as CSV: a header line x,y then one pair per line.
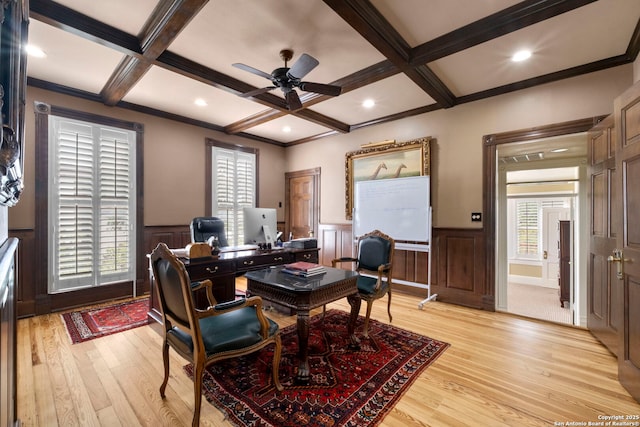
x,y
458,260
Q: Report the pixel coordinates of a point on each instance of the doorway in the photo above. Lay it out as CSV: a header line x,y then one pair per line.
x,y
538,201
524,152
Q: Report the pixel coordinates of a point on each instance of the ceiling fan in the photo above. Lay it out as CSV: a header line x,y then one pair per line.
x,y
287,79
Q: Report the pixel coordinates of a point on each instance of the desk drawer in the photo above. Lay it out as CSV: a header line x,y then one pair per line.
x,y
264,260
209,270
308,256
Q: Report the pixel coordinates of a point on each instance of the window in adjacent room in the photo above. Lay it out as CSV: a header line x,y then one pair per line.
x,y
92,204
233,172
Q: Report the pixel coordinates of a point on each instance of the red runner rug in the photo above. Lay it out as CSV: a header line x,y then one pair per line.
x,y
87,324
348,387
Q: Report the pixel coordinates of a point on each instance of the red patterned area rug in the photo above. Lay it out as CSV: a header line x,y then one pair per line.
x,y
348,387
87,324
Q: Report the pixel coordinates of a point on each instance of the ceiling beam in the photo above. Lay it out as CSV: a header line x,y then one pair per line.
x,y
367,21
160,30
73,22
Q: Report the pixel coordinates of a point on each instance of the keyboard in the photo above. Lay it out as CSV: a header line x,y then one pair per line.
x,y
239,248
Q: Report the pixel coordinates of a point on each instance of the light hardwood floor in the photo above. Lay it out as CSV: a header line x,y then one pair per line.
x,y
501,370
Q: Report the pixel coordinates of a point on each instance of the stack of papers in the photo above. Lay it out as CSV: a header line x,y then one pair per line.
x,y
304,269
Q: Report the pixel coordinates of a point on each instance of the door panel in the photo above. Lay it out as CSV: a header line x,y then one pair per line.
x,y
551,237
602,319
302,209
627,122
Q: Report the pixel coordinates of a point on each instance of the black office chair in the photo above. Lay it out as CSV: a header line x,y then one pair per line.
x,y
203,337
204,227
374,263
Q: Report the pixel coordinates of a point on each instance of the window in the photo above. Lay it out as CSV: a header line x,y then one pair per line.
x,y
528,224
92,209
527,227
233,175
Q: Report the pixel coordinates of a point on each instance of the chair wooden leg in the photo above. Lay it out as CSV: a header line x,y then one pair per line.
x,y
277,353
197,394
389,306
366,319
165,359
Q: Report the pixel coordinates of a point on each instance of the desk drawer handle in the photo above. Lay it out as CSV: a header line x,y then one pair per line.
x,y
278,258
306,256
212,270
248,262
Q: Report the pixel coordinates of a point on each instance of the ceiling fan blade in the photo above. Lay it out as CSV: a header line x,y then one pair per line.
x,y
323,89
252,70
302,66
293,100
256,92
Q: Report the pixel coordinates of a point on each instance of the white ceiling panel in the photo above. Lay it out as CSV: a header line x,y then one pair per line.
x,y
71,60
168,91
393,94
126,15
254,33
419,23
556,44
299,129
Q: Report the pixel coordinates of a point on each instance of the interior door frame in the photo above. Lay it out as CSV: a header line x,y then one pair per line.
x,y
490,188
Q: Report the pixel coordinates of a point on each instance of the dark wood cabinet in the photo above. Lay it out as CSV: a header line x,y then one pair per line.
x,y
565,262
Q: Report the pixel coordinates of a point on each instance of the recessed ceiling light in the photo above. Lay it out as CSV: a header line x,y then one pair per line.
x,y
200,102
35,51
368,103
559,150
521,55
286,129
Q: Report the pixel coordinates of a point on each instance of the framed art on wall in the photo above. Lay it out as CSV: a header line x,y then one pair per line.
x,y
385,161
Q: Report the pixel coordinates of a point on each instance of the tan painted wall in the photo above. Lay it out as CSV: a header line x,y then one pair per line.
x,y
457,154
525,270
174,152
174,162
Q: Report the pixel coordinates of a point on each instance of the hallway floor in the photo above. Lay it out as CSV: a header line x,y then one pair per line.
x,y
537,302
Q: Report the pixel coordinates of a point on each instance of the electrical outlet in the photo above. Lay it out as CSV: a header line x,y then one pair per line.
x,y
476,217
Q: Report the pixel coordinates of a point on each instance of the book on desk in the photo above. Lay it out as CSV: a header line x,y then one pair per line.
x,y
303,268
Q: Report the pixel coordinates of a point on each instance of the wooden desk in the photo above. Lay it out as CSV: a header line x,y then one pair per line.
x,y
304,294
223,271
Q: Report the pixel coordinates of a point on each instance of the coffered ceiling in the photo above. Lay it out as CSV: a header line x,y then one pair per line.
x,y
409,56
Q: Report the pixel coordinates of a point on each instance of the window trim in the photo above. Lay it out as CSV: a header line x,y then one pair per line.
x,y
46,302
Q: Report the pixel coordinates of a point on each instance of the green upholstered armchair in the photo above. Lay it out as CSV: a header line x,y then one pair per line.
x,y
374,263
204,337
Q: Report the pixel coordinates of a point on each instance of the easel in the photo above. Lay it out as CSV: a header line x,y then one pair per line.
x,y
426,248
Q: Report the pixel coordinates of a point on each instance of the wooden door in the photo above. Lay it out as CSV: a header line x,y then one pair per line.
x,y
603,292
564,263
302,190
627,123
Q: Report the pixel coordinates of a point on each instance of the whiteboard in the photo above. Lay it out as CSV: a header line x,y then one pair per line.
x,y
398,207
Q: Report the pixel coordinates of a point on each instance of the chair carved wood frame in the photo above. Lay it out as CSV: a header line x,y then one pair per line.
x,y
374,263
204,337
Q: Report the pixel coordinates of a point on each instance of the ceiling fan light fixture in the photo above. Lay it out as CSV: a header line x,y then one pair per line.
x,y
521,55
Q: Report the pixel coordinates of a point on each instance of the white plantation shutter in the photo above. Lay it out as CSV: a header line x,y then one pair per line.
x,y
91,204
233,184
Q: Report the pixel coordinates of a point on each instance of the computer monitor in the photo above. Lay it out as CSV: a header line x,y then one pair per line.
x,y
260,225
